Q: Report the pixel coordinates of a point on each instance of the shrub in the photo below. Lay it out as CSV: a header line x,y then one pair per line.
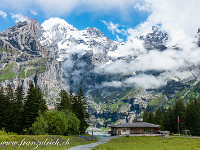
x,y
40,126
56,123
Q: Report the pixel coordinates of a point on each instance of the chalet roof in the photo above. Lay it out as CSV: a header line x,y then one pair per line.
x,y
136,125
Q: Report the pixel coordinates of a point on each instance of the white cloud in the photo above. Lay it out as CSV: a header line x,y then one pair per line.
x,y
56,8
3,14
145,81
65,7
114,28
159,61
119,39
143,6
119,66
141,81
33,12
18,17
180,20
115,84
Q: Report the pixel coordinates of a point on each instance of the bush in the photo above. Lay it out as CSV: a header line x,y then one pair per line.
x,y
40,126
73,123
3,132
56,123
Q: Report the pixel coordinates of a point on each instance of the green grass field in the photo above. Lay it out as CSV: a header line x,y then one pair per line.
x,y
44,142
150,143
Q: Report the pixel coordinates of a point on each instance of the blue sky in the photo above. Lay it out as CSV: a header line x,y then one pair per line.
x,y
123,14
179,18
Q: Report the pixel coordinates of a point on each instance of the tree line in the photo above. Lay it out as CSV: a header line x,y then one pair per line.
x,y
187,116
29,114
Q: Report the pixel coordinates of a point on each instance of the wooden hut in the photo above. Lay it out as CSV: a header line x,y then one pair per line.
x,y
134,128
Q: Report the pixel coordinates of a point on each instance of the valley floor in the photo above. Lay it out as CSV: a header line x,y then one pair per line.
x,y
150,143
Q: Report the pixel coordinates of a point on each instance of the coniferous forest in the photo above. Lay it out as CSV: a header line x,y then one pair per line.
x,y
29,114
187,116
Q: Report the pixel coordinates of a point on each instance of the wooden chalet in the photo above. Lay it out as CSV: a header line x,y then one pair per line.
x,y
134,128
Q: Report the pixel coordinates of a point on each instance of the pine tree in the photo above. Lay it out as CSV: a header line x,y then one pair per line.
x,y
9,92
11,106
168,119
65,101
193,116
41,101
4,110
158,119
179,111
150,117
33,104
145,116
71,95
18,107
79,106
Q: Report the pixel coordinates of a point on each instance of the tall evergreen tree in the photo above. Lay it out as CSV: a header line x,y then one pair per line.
x,y
71,95
145,116
179,111
9,92
18,108
11,106
34,103
41,101
193,116
79,106
168,119
158,119
150,117
4,110
65,101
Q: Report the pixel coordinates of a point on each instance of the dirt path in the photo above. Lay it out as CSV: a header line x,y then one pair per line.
x,y
92,145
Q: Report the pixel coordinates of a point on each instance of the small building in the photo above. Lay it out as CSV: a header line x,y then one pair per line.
x,y
134,128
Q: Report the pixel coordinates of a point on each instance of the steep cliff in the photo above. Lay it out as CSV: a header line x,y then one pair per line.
x,y
23,58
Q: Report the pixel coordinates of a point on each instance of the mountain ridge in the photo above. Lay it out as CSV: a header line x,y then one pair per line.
x,y
63,57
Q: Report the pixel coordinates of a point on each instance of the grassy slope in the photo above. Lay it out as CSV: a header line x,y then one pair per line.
x,y
73,141
34,65
119,102
37,64
150,143
7,72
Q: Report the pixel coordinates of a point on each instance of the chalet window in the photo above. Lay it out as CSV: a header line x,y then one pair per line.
x,y
147,130
123,130
132,130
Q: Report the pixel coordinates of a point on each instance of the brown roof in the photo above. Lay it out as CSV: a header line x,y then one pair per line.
x,y
136,125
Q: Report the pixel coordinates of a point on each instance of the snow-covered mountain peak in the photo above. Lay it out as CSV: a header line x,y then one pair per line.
x,y
94,32
56,22
67,40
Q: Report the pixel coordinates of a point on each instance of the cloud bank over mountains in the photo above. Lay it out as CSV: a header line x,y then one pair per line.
x,y
178,18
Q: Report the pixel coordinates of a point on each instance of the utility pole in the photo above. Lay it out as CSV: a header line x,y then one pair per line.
x,y
178,127
92,134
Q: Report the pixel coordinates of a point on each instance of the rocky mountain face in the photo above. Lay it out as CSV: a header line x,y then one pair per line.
x,y
80,51
23,58
155,40
56,55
